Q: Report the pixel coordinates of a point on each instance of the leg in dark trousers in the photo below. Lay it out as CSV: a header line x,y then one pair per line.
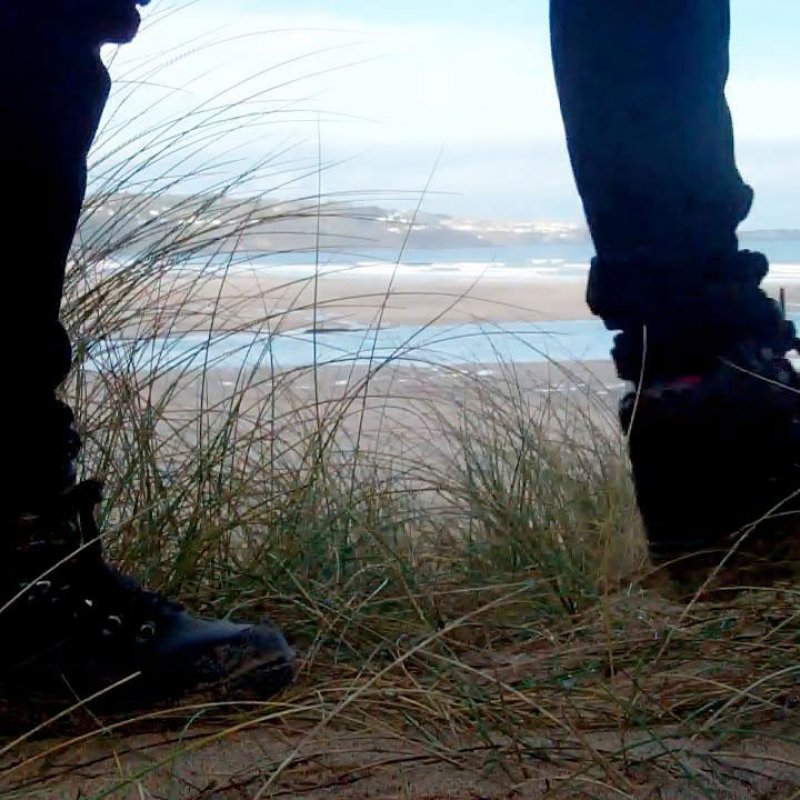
x,y
651,144
52,94
73,626
713,426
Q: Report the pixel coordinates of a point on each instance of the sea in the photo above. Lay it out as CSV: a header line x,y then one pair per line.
x,y
520,341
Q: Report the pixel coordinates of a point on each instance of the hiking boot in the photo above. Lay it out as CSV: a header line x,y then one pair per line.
x,y
75,628
716,467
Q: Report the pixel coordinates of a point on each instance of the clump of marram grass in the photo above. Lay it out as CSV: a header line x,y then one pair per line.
x,y
463,590
544,489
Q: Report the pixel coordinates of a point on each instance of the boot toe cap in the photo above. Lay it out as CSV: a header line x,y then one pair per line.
x,y
231,659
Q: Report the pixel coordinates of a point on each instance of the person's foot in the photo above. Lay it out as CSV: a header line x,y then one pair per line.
x,y
716,465
74,628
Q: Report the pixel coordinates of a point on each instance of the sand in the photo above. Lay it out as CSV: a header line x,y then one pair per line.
x,y
362,299
357,764
283,299
402,420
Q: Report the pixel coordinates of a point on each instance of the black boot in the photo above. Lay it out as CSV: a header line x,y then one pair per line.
x,y
716,465
74,627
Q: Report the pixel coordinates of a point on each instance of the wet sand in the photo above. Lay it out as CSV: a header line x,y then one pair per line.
x,y
353,299
360,299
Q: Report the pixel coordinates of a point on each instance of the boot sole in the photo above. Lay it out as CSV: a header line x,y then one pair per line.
x,y
145,702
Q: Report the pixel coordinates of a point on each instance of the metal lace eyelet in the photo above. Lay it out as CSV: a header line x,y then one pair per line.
x,y
146,633
112,626
38,590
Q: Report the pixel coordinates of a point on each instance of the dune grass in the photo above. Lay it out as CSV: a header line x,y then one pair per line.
x,y
461,573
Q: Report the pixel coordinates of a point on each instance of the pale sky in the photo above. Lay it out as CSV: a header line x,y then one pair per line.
x,y
394,94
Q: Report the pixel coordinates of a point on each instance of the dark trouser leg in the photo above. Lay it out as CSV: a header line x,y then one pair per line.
x,y
52,92
713,454
72,625
651,143
40,440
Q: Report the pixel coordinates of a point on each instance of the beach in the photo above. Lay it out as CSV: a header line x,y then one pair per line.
x,y
403,336
290,298
425,465
396,350
284,299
